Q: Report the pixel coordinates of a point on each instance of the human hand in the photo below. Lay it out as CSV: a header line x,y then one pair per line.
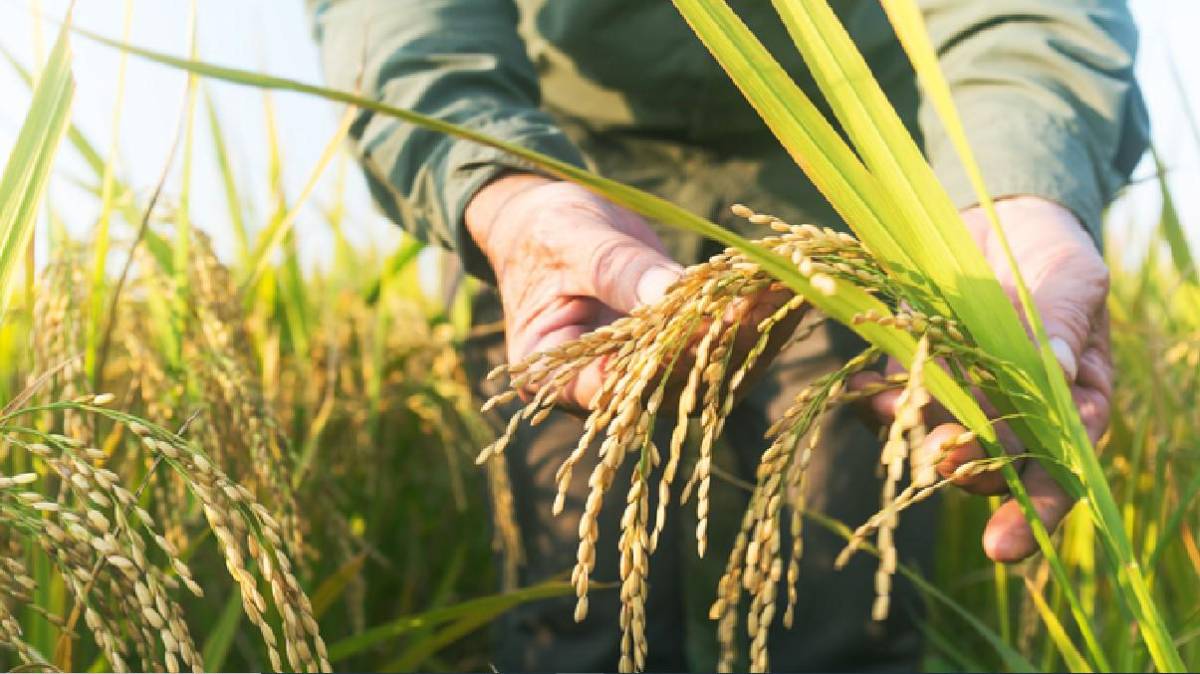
x,y
568,262
1068,280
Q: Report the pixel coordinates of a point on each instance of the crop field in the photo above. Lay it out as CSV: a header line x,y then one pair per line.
x,y
245,462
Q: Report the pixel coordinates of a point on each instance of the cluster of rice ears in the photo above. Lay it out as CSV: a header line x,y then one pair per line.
x,y
240,465
689,336
912,284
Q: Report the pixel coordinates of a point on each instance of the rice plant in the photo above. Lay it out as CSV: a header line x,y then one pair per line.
x,y
238,467
249,423
643,352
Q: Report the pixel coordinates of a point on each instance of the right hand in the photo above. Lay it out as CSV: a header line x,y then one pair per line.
x,y
568,262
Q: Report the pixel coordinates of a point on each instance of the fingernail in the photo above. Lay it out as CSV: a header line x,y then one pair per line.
x,y
1066,358
654,283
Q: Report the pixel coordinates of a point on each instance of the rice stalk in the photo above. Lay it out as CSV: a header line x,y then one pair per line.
x,y
694,328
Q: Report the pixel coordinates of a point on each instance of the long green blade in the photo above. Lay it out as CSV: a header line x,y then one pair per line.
x,y
846,302
108,194
494,604
277,231
925,222
1077,448
28,168
801,128
220,635
1066,648
233,199
1171,228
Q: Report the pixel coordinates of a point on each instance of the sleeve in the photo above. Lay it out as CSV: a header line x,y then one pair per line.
x,y
1047,93
459,60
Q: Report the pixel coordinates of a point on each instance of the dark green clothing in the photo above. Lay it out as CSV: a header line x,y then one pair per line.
x,y
1045,88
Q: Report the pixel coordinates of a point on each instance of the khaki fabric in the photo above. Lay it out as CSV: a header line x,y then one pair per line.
x,y
1045,88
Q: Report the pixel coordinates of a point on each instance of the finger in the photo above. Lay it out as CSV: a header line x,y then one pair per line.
x,y
882,405
556,323
1094,409
1008,537
879,408
1095,372
946,439
1069,300
749,314
580,393
1092,392
624,272
1065,273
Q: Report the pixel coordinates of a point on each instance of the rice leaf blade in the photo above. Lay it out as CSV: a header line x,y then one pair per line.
x,y
493,604
1071,655
843,305
1076,446
233,199
220,637
27,171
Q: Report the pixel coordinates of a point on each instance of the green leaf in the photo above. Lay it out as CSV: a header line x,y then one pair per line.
x,y
842,305
221,634
109,190
421,649
397,262
1066,648
279,228
924,221
1171,528
1076,448
332,587
82,145
492,605
1171,228
28,168
233,200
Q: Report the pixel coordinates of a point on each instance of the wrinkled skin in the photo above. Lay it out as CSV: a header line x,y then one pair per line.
x,y
568,262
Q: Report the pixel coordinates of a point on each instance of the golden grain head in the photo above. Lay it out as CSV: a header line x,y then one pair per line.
x,y
644,349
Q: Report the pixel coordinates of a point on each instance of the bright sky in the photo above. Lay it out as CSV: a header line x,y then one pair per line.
x,y
273,35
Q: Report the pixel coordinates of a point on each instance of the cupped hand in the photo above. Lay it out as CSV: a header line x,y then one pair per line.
x,y
568,262
1068,280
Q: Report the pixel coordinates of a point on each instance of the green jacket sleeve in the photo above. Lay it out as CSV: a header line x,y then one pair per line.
x,y
459,60
1047,94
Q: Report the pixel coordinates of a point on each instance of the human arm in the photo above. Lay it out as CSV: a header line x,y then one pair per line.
x,y
458,60
1047,94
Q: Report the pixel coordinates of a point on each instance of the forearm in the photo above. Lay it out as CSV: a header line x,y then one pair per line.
x,y
458,60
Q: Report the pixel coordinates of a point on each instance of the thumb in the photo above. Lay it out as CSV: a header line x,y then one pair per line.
x,y
626,272
1067,311
1066,274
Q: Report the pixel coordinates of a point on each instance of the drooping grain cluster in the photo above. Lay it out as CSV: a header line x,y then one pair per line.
x,y
248,432
187,348
684,356
118,566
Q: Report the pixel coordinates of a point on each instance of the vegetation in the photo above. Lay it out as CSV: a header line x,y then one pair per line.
x,y
181,422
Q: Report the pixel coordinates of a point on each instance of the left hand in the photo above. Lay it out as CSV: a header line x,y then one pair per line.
x,y
1068,279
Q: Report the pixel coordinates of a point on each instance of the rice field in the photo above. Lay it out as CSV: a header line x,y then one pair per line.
x,y
238,463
